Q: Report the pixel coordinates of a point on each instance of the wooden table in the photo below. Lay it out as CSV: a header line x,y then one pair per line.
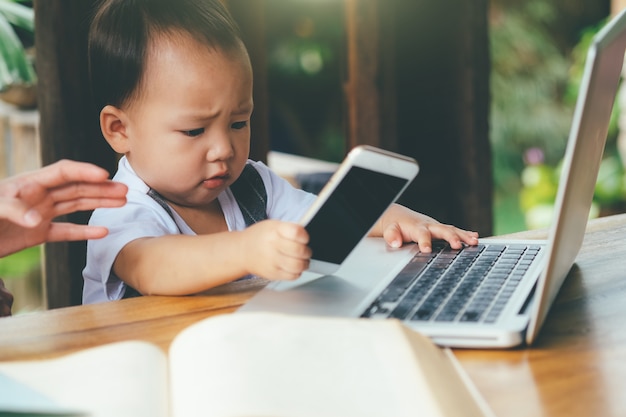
x,y
576,368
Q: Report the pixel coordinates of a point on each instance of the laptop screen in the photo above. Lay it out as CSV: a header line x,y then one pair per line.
x,y
584,152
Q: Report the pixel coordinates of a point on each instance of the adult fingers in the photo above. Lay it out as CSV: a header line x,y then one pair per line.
x,y
66,171
85,196
16,211
69,231
84,204
78,190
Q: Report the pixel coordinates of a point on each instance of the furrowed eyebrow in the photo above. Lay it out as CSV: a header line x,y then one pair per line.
x,y
199,117
244,108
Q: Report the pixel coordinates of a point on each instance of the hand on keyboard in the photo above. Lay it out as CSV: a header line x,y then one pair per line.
x,y
400,224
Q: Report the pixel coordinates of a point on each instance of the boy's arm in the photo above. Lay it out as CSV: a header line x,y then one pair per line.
x,y
183,264
400,224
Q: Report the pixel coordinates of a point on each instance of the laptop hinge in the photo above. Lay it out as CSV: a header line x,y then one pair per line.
x,y
529,299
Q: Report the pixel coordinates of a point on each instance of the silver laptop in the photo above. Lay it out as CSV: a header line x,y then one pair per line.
x,y
498,293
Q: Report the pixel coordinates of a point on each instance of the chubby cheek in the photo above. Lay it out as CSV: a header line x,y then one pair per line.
x,y
181,173
168,171
242,149
237,164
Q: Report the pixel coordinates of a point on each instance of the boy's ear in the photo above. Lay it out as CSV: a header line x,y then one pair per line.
x,y
113,123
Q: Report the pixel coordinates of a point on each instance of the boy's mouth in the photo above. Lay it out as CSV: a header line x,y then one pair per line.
x,y
216,181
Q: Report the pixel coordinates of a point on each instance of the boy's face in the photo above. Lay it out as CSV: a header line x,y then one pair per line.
x,y
188,129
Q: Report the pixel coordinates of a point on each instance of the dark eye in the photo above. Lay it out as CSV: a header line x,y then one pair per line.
x,y
239,125
193,132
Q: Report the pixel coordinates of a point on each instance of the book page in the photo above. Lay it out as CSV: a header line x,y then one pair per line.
x,y
447,381
265,364
125,379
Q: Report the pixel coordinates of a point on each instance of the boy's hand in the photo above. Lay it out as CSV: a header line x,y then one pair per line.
x,y
400,224
277,250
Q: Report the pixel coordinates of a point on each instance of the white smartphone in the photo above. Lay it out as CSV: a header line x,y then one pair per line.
x,y
366,183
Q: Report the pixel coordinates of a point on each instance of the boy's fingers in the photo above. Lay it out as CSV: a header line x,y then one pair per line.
x,y
294,250
454,236
293,268
393,235
293,231
471,238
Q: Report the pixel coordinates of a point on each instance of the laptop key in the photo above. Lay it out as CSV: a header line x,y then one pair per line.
x,y
402,281
413,297
471,284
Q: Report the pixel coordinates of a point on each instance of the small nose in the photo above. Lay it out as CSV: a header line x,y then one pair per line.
x,y
220,147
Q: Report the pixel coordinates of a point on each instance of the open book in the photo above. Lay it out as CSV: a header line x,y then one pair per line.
x,y
251,364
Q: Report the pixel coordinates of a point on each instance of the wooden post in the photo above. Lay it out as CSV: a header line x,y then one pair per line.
x,y
69,126
418,82
360,89
250,16
369,87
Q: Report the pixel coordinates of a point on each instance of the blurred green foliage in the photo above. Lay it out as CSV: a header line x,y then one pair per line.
x,y
15,64
540,180
534,89
528,79
20,264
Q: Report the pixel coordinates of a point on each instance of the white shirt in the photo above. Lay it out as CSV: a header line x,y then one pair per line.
x,y
142,216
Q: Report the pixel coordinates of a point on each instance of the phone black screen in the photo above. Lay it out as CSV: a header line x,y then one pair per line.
x,y
352,209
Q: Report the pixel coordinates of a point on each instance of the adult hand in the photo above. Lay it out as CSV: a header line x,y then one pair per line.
x,y
30,201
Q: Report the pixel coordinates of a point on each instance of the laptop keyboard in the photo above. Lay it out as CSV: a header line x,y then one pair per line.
x,y
472,284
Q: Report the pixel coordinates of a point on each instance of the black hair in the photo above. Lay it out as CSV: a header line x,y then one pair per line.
x,y
121,29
